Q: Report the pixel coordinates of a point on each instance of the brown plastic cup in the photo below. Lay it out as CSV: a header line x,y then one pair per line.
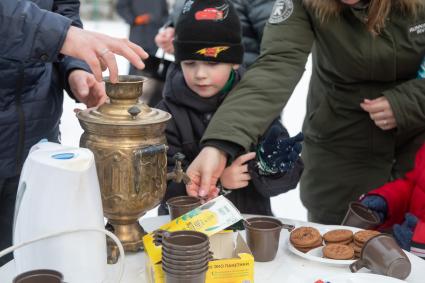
x,y
39,276
181,205
382,255
262,235
360,216
182,266
194,258
187,253
185,240
196,278
184,272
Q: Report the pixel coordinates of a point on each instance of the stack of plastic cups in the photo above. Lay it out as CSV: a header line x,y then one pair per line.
x,y
185,257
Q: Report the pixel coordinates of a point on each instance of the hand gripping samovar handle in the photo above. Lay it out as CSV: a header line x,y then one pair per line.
x,y
178,175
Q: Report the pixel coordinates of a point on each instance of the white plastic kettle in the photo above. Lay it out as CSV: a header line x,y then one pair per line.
x,y
59,190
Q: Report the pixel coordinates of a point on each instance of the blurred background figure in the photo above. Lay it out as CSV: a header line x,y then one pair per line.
x,y
145,18
253,15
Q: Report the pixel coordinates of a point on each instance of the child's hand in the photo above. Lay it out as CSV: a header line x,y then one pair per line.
x,y
403,233
236,176
377,204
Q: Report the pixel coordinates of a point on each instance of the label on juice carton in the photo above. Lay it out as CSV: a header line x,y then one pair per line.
x,y
209,218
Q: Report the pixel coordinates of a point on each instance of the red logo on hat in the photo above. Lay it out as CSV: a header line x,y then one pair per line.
x,y
212,51
213,14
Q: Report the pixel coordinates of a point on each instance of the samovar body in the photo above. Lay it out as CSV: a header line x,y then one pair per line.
x,y
129,144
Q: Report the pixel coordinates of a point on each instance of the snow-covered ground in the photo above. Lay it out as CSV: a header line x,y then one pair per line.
x,y
286,205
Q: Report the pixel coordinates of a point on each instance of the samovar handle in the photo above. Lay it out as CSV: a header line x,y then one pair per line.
x,y
142,158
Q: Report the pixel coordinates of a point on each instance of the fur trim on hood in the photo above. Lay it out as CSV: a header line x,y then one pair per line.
x,y
327,8
378,10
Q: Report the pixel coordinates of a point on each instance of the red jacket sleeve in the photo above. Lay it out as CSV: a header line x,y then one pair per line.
x,y
398,193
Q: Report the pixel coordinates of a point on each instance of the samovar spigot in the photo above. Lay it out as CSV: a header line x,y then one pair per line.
x,y
178,175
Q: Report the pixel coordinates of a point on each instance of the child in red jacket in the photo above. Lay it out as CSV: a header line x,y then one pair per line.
x,y
401,205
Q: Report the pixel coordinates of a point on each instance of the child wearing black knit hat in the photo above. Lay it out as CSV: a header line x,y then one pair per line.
x,y
208,30
208,51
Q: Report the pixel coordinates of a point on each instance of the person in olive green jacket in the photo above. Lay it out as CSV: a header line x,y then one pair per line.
x,y
365,114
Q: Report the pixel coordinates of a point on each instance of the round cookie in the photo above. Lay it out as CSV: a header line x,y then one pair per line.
x,y
357,248
342,243
304,237
307,249
337,251
352,245
362,236
338,236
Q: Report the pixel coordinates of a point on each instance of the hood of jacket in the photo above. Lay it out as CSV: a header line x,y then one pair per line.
x,y
177,91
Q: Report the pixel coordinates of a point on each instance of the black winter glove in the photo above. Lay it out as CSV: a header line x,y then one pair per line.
x,y
276,152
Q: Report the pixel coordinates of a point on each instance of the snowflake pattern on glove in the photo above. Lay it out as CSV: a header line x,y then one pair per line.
x,y
277,153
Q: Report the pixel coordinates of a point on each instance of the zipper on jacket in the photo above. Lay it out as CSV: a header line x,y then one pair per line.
x,y
21,118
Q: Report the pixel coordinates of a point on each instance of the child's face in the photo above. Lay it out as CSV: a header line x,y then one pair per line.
x,y
206,78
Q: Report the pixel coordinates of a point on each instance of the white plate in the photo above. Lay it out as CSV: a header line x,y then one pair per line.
x,y
356,278
316,254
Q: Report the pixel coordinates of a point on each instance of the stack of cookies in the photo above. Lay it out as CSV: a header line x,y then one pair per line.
x,y
305,239
338,251
360,238
340,244
337,244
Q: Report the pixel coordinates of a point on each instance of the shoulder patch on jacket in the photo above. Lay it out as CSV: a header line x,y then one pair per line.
x,y
282,10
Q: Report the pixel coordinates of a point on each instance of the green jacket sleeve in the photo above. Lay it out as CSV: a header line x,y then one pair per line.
x,y
266,87
407,101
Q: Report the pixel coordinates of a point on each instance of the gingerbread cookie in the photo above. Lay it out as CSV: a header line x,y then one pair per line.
x,y
362,236
338,251
339,236
356,248
313,246
305,237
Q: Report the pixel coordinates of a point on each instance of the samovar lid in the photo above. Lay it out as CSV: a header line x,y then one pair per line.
x,y
124,107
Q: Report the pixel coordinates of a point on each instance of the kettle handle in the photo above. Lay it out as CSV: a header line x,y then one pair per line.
x,y
56,234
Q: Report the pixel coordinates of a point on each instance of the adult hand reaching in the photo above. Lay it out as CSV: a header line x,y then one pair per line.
x,y
204,172
86,89
380,112
98,50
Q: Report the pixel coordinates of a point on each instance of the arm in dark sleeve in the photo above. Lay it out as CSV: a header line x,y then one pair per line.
x,y
125,11
232,150
28,33
69,9
407,101
268,83
174,142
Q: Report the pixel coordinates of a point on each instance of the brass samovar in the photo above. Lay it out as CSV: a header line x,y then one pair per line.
x,y
129,145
